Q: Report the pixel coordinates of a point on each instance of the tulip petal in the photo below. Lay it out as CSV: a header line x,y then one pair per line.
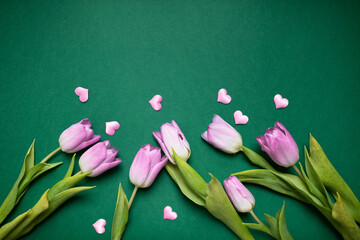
x,y
204,136
154,172
159,139
173,140
86,144
225,138
104,167
72,137
93,157
140,167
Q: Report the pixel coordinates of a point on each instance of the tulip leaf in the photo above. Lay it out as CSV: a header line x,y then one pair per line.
x,y
219,205
192,178
342,215
332,179
315,179
178,178
274,228
257,159
120,215
28,174
283,230
47,204
267,179
71,167
313,189
298,184
259,227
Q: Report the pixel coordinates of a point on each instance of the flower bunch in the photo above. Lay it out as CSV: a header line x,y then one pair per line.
x,y
313,185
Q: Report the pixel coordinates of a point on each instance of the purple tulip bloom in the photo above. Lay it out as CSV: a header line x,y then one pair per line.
x,y
223,136
99,158
146,166
172,139
240,196
279,145
77,137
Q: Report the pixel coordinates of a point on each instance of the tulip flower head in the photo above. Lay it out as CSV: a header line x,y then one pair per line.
x,y
240,196
146,166
171,138
223,136
279,145
99,158
77,137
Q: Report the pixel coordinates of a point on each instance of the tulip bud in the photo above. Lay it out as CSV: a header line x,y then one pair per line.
x,y
241,198
172,139
99,158
146,166
279,145
223,136
77,137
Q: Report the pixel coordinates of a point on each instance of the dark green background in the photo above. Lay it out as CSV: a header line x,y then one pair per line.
x,y
125,52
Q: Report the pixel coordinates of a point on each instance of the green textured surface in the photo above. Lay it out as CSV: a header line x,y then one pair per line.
x,y
125,52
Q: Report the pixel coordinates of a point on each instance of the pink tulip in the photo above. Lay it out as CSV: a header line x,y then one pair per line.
x,y
240,196
77,137
99,158
172,139
223,136
146,166
279,145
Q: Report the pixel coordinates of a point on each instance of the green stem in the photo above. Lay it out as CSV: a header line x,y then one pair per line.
x,y
79,172
298,172
256,218
133,195
50,155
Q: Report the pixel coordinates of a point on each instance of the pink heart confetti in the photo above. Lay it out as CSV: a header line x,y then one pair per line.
x,y
280,102
169,214
83,93
155,102
111,127
223,97
99,226
240,118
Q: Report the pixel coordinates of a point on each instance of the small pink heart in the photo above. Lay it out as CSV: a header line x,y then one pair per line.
x,y
223,97
240,118
169,214
111,127
99,226
155,102
83,93
280,102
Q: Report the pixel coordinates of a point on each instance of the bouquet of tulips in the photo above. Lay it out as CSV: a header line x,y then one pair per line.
x,y
94,161
318,184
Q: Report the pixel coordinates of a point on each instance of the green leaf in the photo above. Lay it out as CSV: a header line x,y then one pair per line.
x,y
66,183
219,205
274,228
192,178
314,190
341,215
283,230
120,215
257,159
332,179
298,184
178,178
71,167
7,228
34,172
315,179
269,180
258,227
47,204
12,198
